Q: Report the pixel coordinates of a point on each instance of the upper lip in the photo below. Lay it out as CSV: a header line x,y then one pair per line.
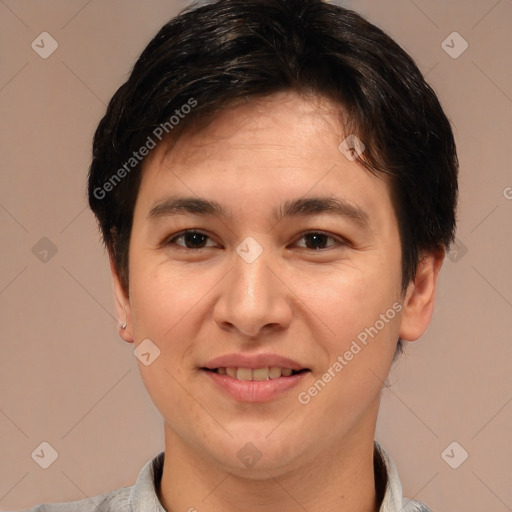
x,y
253,362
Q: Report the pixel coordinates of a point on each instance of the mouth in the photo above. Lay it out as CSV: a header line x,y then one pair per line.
x,y
256,374
254,379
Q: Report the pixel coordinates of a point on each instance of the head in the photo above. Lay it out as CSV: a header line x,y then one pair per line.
x,y
235,122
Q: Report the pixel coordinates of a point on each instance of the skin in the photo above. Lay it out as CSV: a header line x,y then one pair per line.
x,y
297,299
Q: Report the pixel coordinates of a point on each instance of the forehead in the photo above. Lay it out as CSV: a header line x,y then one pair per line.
x,y
264,148
282,121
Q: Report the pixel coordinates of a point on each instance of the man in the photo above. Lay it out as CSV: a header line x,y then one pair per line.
x,y
276,187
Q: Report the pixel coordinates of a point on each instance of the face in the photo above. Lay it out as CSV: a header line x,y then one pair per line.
x,y
258,249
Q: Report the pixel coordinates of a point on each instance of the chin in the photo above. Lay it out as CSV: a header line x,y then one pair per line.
x,y
253,453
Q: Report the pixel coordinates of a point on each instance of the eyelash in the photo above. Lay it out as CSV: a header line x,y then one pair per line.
x,y
171,240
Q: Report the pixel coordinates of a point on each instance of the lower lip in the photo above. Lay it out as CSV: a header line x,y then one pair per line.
x,y
254,390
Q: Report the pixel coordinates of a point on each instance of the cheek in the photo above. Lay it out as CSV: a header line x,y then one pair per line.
x,y
350,299
161,303
359,353
161,297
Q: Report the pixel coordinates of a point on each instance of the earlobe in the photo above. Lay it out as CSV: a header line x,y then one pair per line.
x,y
418,305
122,305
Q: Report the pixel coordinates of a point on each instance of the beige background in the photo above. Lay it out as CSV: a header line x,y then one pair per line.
x,y
65,376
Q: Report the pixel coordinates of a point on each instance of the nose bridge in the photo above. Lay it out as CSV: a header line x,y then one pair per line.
x,y
253,277
252,297
251,289
251,261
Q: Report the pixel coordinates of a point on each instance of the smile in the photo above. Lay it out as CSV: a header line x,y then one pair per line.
x,y
257,374
254,385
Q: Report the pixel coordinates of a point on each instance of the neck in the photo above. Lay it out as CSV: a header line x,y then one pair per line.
x,y
341,479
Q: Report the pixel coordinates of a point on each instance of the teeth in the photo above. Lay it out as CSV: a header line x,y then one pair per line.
x,y
258,374
244,374
274,372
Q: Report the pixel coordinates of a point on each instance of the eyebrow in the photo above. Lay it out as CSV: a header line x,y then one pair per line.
x,y
316,205
179,205
182,205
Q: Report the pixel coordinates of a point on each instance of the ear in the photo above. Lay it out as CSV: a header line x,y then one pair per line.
x,y
418,305
122,305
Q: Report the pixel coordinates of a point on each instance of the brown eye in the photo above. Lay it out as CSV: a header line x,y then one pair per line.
x,y
317,240
190,240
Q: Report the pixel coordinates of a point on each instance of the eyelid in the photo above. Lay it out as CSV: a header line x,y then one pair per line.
x,y
168,240
342,241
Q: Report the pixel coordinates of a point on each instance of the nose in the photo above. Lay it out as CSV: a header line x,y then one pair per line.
x,y
254,299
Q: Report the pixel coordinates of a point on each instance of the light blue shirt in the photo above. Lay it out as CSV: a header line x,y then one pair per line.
x,y
142,497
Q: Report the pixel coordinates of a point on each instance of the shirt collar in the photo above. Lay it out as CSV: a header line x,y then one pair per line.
x,y
143,495
393,500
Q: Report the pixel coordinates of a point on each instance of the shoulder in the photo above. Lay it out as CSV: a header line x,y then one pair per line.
x,y
140,496
113,501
